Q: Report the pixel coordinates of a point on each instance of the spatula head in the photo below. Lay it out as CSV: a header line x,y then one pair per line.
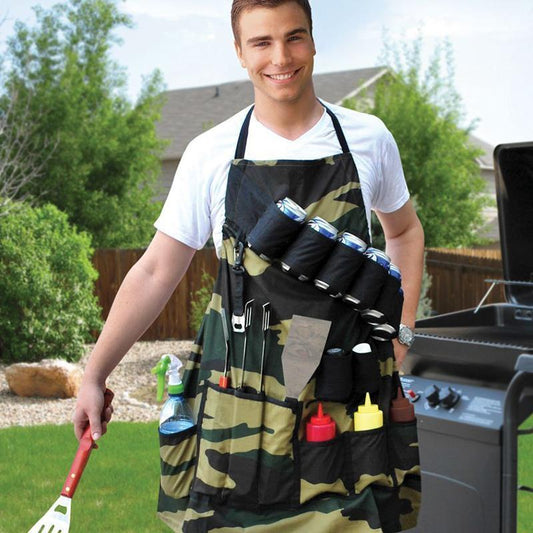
x,y
56,519
302,352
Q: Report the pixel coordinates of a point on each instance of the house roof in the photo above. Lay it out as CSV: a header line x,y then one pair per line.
x,y
486,159
188,112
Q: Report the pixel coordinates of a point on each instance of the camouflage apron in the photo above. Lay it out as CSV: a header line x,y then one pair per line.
x,y
246,465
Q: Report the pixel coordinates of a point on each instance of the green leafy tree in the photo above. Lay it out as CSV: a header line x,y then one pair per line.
x,y
48,308
103,171
423,111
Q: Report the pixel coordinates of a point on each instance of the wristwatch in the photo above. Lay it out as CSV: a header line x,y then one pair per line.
x,y
406,335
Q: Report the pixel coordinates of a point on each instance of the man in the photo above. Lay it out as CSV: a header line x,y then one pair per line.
x,y
224,190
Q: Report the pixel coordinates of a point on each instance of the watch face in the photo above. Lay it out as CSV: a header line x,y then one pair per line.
x,y
406,335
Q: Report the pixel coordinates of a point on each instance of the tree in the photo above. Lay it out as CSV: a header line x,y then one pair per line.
x,y
18,165
423,112
104,170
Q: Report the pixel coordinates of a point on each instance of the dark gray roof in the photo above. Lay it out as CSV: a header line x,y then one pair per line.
x,y
188,112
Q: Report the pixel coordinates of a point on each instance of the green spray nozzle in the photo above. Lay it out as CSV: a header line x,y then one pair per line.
x,y
168,365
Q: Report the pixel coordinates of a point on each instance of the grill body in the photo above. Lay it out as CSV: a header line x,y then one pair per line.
x,y
474,379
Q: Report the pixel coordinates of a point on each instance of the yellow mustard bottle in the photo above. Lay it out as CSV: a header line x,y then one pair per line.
x,y
367,416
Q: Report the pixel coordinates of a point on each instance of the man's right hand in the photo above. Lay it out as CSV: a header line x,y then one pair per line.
x,y
88,411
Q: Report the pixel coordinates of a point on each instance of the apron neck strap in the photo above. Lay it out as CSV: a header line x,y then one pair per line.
x,y
243,136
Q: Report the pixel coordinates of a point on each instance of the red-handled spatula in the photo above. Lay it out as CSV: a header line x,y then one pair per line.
x,y
57,518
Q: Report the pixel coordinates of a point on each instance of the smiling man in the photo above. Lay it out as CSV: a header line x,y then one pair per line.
x,y
250,463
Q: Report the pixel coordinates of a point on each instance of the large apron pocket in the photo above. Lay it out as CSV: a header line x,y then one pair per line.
x,y
322,468
403,449
245,449
367,458
178,461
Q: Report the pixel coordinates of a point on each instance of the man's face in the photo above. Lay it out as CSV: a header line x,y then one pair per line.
x,y
277,49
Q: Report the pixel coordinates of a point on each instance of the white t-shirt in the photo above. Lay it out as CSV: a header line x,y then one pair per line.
x,y
194,208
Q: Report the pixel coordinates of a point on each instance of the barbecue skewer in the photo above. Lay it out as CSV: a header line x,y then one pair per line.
x,y
266,324
224,380
248,309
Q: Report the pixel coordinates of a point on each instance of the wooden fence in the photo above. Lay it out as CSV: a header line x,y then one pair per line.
x,y
457,283
458,278
173,322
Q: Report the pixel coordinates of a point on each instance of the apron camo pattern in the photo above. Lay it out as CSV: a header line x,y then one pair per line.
x,y
246,466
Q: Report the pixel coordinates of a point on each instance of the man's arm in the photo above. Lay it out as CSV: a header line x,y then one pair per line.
x,y
144,292
405,246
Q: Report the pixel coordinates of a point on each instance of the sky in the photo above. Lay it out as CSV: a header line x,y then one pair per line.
x,y
190,41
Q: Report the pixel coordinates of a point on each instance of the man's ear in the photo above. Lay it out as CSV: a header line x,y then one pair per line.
x,y
238,51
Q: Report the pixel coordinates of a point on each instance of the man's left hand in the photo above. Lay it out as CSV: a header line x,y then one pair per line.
x,y
400,351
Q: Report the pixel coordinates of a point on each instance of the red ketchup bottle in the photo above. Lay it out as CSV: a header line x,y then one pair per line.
x,y
401,410
320,427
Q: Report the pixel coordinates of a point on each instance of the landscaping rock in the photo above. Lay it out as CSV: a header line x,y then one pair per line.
x,y
50,378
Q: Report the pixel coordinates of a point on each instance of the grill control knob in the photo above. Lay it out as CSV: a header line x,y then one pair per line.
x,y
449,397
432,395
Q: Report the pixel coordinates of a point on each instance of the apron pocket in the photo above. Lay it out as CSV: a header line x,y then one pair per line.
x,y
403,449
368,458
278,483
178,460
245,453
334,379
321,468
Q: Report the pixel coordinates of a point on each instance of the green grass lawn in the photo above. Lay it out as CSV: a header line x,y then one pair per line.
x,y
525,477
118,491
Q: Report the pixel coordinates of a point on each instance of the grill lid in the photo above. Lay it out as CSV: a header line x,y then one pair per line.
x,y
513,165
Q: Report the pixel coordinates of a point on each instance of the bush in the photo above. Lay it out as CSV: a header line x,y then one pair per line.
x,y
47,305
200,301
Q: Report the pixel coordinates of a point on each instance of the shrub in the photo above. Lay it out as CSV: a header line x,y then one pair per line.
x,y
47,305
200,300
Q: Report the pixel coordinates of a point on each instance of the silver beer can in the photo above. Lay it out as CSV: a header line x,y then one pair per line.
x,y
323,227
352,241
291,209
379,257
394,271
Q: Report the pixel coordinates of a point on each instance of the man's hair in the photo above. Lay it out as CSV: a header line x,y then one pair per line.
x,y
240,6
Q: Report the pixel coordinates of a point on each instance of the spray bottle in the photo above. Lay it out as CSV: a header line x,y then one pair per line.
x,y
176,415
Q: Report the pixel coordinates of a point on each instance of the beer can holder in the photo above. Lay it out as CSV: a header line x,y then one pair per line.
x,y
367,285
340,269
393,313
307,254
334,378
383,309
273,233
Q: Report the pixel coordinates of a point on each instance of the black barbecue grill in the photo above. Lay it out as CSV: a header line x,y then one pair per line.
x,y
473,372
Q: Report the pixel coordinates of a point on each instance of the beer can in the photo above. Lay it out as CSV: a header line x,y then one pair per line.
x,y
324,228
352,241
291,209
379,257
394,271
383,332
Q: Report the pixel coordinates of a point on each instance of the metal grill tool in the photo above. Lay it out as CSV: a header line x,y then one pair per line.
x,y
248,311
224,380
266,324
